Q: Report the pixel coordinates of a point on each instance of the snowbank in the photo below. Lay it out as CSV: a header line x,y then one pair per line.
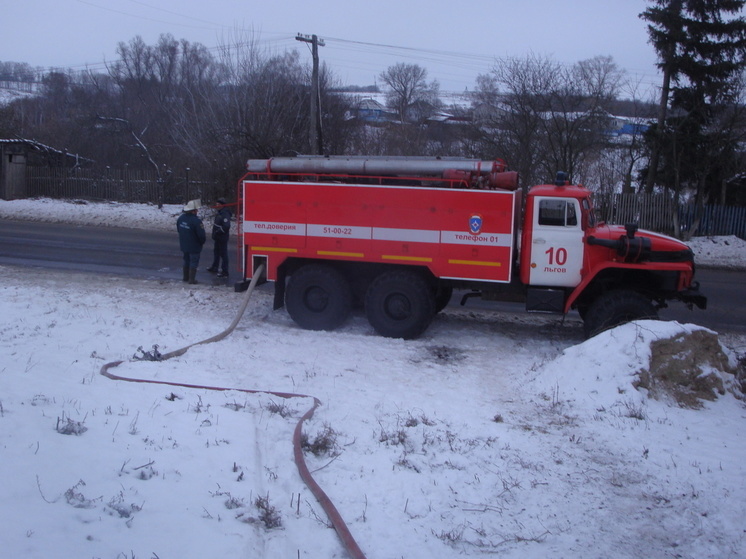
x,y
105,214
633,350
725,251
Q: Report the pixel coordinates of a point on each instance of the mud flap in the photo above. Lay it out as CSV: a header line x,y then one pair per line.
x,y
279,301
545,300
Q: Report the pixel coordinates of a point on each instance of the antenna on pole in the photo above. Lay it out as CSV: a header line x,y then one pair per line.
x,y
314,129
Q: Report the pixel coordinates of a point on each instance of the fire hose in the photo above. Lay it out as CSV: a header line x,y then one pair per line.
x,y
331,511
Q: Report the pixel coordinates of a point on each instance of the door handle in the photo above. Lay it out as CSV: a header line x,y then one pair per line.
x,y
540,241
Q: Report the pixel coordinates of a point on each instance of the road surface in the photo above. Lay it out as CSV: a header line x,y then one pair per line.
x,y
156,255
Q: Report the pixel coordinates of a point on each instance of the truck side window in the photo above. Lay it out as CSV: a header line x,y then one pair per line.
x,y
559,213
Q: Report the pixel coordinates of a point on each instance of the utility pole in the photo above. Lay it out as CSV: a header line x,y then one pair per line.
x,y
314,128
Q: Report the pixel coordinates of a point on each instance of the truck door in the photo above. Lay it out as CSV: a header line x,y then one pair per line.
x,y
557,242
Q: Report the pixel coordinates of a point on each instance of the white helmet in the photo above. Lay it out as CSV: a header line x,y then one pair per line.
x,y
193,205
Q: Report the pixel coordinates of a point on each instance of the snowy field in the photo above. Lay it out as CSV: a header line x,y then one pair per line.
x,y
492,435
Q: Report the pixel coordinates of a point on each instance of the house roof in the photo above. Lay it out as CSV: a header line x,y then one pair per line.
x,y
43,148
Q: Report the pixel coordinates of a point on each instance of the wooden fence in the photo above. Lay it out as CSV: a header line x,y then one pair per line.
x,y
655,212
714,220
119,185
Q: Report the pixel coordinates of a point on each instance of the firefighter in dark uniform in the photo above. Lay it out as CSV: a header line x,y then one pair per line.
x,y
191,238
221,228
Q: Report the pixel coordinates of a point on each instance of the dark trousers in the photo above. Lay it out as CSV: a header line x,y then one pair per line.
x,y
191,259
220,252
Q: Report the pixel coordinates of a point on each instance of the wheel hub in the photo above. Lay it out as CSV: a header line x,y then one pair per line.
x,y
398,306
316,299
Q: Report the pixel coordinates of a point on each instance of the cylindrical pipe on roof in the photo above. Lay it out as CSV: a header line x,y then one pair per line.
x,y
374,166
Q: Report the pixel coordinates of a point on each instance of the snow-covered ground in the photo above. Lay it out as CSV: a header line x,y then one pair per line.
x,y
8,95
491,435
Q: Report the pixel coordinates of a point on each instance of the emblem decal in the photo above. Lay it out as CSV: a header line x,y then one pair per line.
x,y
475,224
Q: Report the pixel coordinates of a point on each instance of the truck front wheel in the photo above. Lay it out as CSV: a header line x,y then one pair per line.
x,y
617,307
400,304
318,297
443,294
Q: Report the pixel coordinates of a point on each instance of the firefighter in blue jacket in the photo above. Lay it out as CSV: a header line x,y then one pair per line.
x,y
191,238
221,228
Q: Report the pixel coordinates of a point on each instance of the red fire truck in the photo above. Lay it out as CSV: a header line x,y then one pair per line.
x,y
396,235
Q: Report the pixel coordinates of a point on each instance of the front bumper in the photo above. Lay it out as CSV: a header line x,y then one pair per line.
x,y
693,296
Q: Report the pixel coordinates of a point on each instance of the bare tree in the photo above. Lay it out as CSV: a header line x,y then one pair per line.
x,y
139,113
631,151
509,103
161,92
338,129
265,105
577,115
21,72
408,87
543,117
264,101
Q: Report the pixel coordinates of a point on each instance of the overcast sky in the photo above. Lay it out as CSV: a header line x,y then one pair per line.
x,y
455,40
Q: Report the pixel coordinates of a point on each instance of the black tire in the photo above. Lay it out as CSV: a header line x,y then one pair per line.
x,y
617,307
400,304
443,294
582,310
318,297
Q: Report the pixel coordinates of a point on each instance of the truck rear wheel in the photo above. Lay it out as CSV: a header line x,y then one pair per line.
x,y
400,304
617,307
318,297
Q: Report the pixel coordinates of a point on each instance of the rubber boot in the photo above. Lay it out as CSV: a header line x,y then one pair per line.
x,y
186,273
193,276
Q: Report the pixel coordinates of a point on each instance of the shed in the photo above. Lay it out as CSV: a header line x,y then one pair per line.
x,y
17,154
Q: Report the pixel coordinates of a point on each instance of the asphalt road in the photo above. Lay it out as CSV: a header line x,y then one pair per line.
x,y
113,250
156,255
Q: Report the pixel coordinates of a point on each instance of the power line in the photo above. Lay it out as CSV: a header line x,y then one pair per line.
x,y
136,16
344,54
179,14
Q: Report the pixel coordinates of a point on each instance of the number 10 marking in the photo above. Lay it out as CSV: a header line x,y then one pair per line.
x,y
557,256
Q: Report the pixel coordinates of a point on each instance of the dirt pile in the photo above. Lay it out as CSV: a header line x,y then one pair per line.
x,y
691,367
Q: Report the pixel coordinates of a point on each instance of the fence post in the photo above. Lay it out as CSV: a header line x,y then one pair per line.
x,y
159,195
127,192
107,181
186,185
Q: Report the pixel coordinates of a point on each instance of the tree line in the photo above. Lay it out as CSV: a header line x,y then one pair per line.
x,y
177,104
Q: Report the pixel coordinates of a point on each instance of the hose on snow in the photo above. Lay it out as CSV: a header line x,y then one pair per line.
x,y
343,532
